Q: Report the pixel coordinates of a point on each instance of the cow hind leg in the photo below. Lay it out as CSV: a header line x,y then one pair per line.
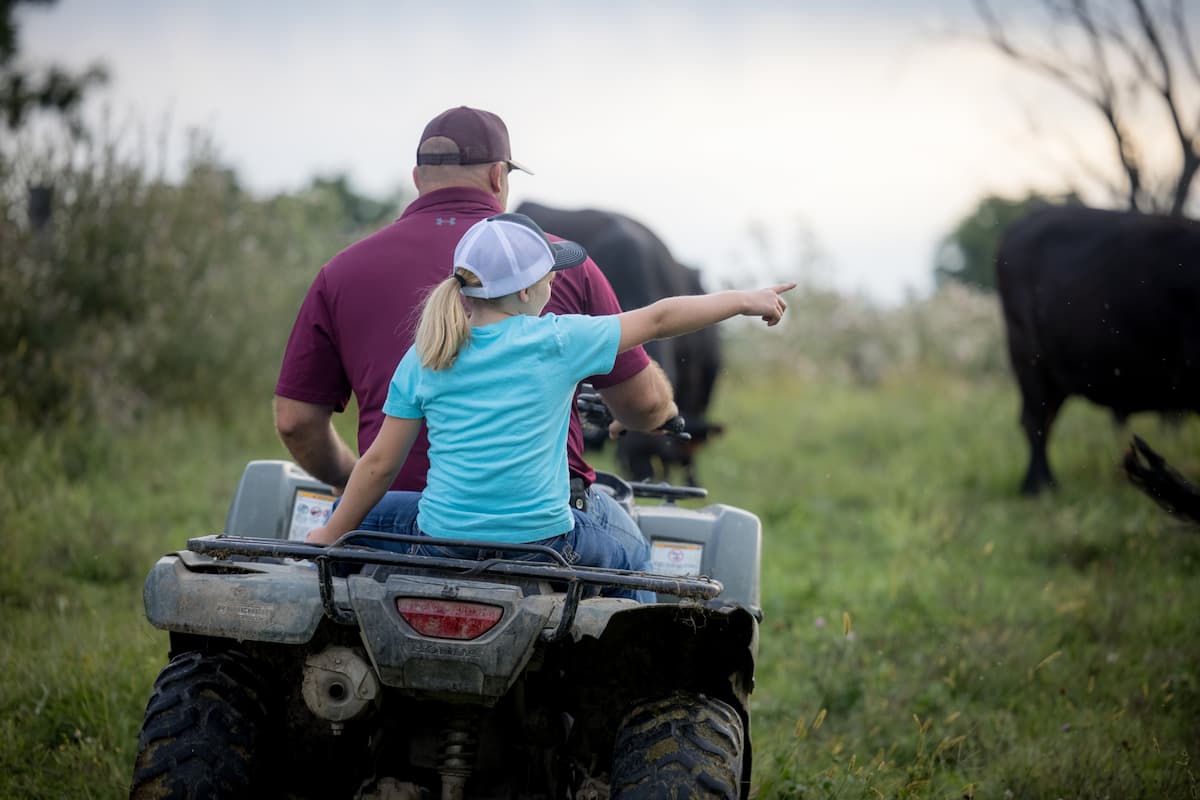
x,y
687,463
1038,411
634,454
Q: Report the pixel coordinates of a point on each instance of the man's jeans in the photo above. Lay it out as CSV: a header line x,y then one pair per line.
x,y
604,536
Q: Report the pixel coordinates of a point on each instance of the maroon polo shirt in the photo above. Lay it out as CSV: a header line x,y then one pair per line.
x,y
360,314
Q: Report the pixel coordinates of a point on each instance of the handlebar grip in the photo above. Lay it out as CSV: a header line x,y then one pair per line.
x,y
593,410
675,427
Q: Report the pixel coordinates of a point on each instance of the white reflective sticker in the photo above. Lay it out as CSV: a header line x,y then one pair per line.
x,y
676,558
309,510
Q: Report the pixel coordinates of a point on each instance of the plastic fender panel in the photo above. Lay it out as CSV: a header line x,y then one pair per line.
x,y
190,593
278,500
729,541
484,667
595,614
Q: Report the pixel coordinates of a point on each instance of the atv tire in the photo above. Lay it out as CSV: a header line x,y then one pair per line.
x,y
203,732
680,746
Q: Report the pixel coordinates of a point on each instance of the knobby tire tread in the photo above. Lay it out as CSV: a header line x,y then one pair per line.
x,y
200,736
680,746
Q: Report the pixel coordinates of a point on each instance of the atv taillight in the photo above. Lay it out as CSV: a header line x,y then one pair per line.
x,y
448,619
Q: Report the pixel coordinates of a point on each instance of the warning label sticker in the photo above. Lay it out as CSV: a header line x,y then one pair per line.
x,y
310,510
676,558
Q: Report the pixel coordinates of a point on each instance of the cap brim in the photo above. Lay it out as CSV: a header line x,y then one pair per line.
x,y
516,165
567,254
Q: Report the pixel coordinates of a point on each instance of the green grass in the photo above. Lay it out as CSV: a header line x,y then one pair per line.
x,y
1046,648
998,647
86,517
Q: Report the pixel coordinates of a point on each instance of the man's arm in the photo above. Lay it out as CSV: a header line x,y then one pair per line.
x,y
307,432
642,401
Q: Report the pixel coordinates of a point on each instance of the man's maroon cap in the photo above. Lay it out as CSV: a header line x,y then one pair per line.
x,y
481,137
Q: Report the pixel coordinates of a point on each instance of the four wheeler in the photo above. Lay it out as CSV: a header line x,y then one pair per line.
x,y
351,671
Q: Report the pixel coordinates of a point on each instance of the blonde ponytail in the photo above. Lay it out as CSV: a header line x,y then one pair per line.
x,y
444,327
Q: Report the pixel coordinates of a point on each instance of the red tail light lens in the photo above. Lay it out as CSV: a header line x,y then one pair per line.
x,y
448,619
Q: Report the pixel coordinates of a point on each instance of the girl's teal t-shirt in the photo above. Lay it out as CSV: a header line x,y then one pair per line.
x,y
497,421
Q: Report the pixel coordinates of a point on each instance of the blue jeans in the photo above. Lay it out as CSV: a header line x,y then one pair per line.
x,y
604,536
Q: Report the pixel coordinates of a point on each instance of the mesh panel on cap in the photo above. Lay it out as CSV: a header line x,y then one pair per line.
x,y
505,255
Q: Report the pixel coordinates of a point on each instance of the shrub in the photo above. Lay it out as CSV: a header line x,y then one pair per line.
x,y
141,291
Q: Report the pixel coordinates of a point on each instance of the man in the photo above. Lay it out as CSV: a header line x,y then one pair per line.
x,y
359,315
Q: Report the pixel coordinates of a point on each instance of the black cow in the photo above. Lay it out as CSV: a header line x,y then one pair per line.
x,y
641,270
1103,304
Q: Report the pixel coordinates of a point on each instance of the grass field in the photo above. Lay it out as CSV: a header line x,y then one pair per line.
x,y
927,632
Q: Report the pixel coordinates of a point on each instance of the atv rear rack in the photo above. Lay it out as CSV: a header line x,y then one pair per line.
x,y
346,551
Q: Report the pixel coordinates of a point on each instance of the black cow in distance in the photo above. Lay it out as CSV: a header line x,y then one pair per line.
x,y
1102,304
641,270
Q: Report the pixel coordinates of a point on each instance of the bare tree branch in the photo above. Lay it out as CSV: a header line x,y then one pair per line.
x,y
1164,83
1106,100
1179,25
1125,58
1190,159
998,37
1187,52
1102,177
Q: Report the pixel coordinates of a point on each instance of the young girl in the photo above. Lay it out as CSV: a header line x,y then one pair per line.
x,y
495,390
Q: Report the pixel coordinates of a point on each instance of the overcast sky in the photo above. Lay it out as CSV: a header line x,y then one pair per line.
x,y
857,121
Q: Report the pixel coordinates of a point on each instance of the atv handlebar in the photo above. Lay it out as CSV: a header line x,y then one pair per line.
x,y
592,410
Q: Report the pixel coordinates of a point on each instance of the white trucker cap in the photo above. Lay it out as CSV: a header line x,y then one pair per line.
x,y
509,252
